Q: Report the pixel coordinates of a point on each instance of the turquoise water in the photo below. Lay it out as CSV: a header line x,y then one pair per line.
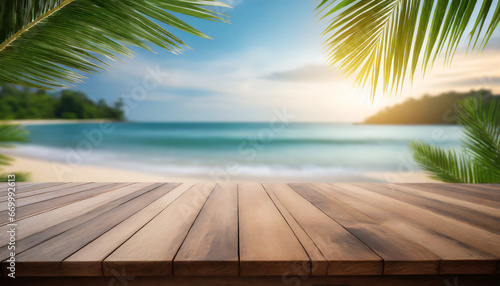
x,y
243,150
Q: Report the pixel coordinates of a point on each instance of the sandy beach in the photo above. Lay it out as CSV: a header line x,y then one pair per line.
x,y
47,171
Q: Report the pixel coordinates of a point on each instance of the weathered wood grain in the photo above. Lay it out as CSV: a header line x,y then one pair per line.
x,y
401,256
252,233
470,235
62,190
151,250
88,260
44,190
450,191
42,221
401,193
27,187
382,280
267,244
455,257
104,204
56,249
346,254
45,202
413,189
484,191
211,247
319,264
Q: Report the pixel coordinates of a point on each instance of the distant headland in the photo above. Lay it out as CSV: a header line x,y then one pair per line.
x,y
440,109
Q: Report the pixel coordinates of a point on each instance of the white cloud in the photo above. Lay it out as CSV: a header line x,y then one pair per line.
x,y
248,85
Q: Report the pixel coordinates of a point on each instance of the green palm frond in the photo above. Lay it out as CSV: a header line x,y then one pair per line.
x,y
5,160
449,165
479,162
388,40
481,123
20,177
10,133
51,43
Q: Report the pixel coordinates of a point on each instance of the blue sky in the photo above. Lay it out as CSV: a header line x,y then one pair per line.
x,y
269,58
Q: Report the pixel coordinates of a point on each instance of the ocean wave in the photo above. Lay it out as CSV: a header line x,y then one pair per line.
x,y
224,142
171,166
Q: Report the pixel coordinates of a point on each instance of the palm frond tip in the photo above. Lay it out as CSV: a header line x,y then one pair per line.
x,y
71,37
388,40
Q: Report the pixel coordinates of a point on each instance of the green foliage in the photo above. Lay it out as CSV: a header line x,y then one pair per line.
x,y
387,40
20,177
49,43
479,161
9,134
439,109
16,103
482,129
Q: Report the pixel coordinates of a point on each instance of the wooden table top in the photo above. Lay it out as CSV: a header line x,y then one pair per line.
x,y
252,229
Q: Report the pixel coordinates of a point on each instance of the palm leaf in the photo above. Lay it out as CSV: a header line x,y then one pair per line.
x,y
10,133
20,177
481,123
5,160
51,43
388,40
451,166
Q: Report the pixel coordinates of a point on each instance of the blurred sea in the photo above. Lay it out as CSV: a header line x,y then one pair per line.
x,y
250,151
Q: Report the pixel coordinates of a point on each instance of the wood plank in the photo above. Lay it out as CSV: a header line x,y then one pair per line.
x,y
458,225
319,264
66,190
489,190
25,188
4,188
491,193
400,255
31,205
470,235
411,188
385,280
22,187
104,204
211,246
495,187
42,221
346,254
451,192
487,222
88,260
45,258
151,250
41,191
267,244
456,257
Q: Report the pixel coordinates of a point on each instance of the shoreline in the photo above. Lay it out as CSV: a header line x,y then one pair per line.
x,y
51,171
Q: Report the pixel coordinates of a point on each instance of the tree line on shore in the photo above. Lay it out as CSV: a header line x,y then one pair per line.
x,y
28,103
